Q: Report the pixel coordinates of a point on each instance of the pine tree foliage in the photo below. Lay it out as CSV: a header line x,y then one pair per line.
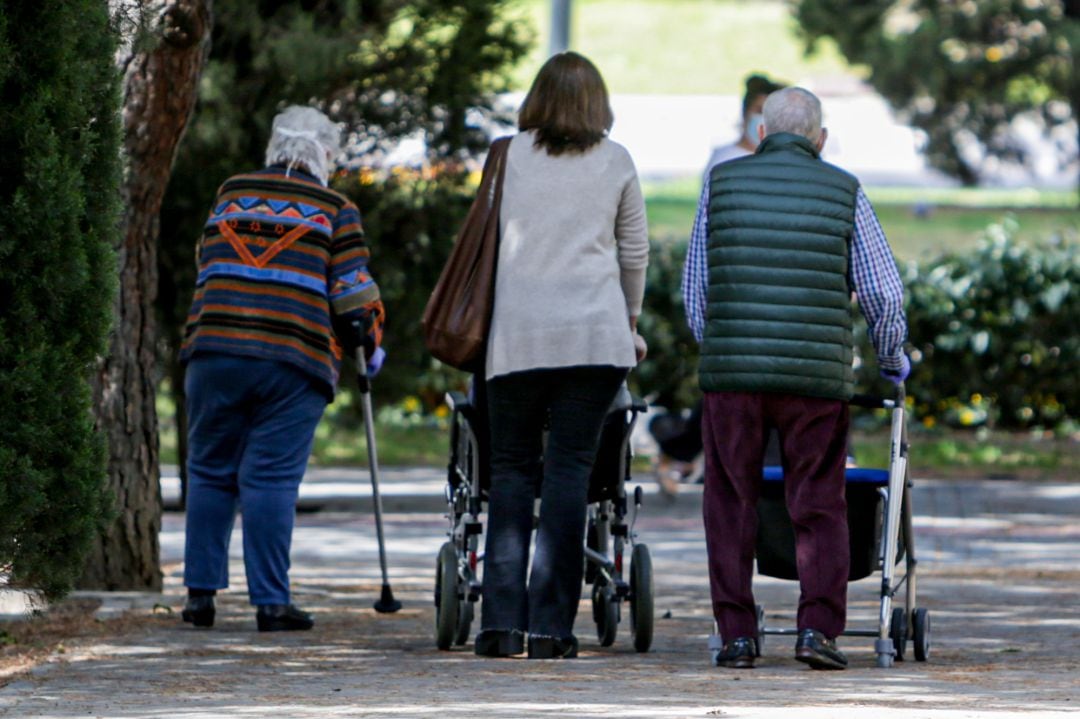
x,y
962,70
59,172
388,69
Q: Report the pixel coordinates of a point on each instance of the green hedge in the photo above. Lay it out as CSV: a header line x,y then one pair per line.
x,y
994,333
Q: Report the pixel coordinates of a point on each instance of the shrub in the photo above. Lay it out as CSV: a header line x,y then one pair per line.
x,y
994,332
669,373
59,164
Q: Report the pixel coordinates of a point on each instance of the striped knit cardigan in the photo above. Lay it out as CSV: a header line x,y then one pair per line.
x,y
282,263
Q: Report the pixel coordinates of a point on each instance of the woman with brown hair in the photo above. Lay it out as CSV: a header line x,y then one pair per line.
x,y
570,279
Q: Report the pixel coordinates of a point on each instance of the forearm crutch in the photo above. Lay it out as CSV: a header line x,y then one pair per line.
x,y
386,603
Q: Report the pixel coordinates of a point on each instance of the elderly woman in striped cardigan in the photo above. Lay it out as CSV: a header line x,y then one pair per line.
x,y
283,280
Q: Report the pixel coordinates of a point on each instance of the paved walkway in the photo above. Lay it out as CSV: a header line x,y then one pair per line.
x,y
998,574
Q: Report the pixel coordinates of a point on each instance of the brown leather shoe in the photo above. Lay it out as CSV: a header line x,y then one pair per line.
x,y
815,649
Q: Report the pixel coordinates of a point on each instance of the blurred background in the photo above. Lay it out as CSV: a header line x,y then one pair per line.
x,y
122,117
958,117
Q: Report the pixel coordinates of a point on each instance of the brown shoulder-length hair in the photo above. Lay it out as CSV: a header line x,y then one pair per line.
x,y
567,105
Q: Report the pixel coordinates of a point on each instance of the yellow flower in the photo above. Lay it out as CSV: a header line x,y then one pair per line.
x,y
367,176
994,53
410,404
976,398
929,422
442,411
967,417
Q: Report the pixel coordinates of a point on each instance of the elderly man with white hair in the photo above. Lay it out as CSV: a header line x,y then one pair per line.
x,y
780,242
283,291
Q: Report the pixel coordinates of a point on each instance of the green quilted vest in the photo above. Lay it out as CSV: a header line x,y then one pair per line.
x,y
779,300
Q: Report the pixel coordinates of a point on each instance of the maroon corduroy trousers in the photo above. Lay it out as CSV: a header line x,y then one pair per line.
x,y
813,444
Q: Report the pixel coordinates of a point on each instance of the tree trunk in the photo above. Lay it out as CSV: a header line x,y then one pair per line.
x,y
161,74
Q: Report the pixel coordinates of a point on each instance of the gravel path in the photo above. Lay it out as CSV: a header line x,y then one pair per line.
x,y
998,572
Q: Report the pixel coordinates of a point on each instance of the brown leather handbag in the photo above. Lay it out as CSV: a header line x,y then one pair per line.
x,y
457,317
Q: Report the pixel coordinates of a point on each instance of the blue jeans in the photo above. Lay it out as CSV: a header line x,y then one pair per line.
x,y
251,424
574,401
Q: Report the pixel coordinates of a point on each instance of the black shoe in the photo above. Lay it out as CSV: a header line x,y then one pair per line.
x,y
815,649
552,648
739,653
282,618
499,643
199,611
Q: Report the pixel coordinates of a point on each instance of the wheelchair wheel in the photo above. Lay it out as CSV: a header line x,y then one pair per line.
x,y
898,632
760,611
464,623
592,541
605,614
641,598
446,596
920,627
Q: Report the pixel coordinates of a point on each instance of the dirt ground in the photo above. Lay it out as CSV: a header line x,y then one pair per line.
x,y
997,572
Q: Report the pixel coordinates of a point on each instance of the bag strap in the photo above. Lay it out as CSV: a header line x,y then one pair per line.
x,y
494,169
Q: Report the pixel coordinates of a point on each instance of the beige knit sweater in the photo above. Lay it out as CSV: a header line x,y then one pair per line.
x,y
572,256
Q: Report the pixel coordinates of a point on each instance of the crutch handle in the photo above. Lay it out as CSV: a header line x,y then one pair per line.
x,y
363,381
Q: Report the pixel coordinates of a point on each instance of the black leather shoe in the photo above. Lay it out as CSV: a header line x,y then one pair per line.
x,y
738,653
499,643
552,648
815,649
199,611
282,618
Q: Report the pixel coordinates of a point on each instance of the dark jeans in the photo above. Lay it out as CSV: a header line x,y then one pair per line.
x,y
813,442
574,401
251,426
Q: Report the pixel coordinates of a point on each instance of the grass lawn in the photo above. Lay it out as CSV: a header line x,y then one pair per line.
x,y
954,220
681,46
934,454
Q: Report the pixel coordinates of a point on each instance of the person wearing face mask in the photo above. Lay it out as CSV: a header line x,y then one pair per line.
x,y
780,242
679,439
758,87
283,292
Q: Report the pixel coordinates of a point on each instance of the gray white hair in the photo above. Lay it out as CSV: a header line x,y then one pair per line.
x,y
793,110
306,138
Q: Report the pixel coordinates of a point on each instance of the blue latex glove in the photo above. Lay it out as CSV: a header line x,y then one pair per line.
x,y
898,376
375,361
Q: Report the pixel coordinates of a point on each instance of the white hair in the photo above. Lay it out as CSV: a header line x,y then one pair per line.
x,y
793,110
304,137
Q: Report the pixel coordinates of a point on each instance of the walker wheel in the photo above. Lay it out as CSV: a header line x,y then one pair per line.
x,y
898,632
920,629
605,614
641,598
447,601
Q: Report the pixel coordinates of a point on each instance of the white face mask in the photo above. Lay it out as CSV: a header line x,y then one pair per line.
x,y
754,122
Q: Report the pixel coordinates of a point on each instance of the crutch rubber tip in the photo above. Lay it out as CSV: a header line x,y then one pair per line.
x,y
387,604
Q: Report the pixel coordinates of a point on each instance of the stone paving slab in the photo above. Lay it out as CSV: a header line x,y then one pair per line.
x,y
997,571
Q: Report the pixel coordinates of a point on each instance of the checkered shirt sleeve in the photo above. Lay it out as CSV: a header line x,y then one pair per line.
x,y
877,286
695,281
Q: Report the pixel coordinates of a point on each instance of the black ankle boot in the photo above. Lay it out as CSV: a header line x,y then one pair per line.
x,y
282,618
552,648
499,643
199,610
